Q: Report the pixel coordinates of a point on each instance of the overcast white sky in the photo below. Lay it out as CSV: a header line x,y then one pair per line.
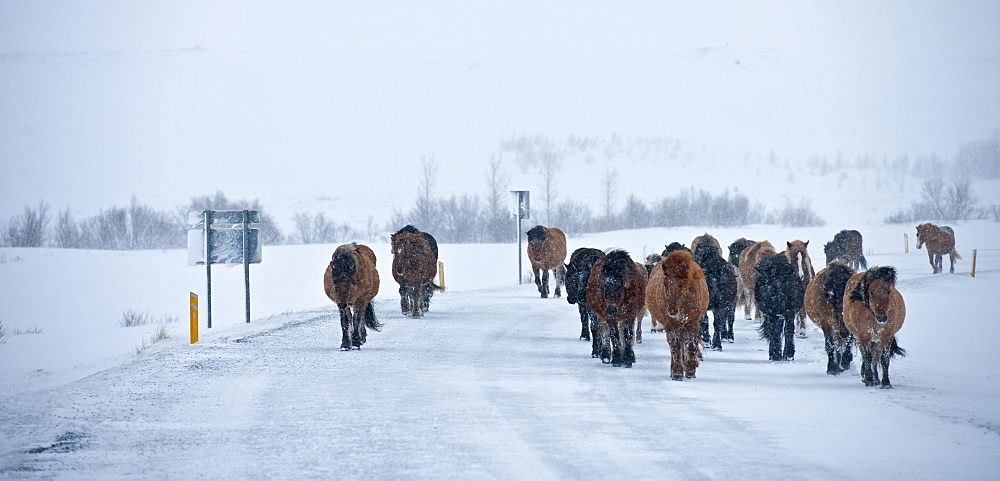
x,y
99,100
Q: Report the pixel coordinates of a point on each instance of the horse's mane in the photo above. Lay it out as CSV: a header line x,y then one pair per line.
x,y
536,233
618,262
678,265
343,263
837,274
882,273
409,229
737,247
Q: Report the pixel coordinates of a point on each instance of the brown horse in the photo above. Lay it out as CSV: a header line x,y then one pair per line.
x,y
414,265
824,303
351,281
744,291
652,260
706,241
615,296
547,251
940,240
677,297
748,263
874,311
798,255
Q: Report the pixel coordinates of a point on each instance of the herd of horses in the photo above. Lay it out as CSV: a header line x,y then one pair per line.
x,y
852,304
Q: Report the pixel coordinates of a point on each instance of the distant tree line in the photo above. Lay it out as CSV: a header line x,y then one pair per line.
x,y
941,202
135,226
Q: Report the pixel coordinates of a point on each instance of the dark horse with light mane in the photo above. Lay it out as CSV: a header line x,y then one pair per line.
x,y
616,293
414,265
940,240
874,312
351,281
547,251
581,263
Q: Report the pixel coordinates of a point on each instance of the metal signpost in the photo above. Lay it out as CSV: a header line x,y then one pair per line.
x,y
226,237
523,212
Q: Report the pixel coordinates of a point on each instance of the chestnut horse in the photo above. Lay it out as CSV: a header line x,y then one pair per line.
x,y
778,292
651,260
824,303
351,281
581,263
414,265
745,292
748,262
547,251
847,246
615,296
940,240
677,297
798,256
874,311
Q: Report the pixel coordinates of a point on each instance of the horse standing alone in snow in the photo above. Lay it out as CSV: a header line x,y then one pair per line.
x,y
874,311
547,251
940,240
351,281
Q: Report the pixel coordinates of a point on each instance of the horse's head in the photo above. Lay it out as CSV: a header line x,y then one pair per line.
x,y
876,289
832,251
922,231
616,273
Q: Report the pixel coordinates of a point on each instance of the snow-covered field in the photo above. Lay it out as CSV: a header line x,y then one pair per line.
x,y
491,383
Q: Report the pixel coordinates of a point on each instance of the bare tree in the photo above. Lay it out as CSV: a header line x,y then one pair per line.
x,y
28,230
425,213
548,168
609,188
497,183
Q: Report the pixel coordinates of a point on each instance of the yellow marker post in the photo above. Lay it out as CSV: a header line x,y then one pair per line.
x,y
974,262
441,275
906,243
194,318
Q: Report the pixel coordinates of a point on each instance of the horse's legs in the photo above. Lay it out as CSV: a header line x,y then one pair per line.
x,y
789,325
404,303
559,275
884,358
629,355
345,327
676,354
930,258
416,301
704,328
595,334
846,356
867,374
832,354
771,328
538,280
800,323
357,324
584,321
691,356
719,326
617,353
951,257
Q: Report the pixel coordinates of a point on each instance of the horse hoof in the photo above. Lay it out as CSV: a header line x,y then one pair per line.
x,y
676,377
345,348
689,375
717,348
628,365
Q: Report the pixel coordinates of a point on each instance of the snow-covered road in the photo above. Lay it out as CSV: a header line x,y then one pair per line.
x,y
490,384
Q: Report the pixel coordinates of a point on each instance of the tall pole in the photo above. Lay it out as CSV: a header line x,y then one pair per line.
x,y
246,260
208,266
519,247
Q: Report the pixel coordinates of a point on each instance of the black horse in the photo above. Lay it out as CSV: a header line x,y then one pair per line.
x,y
577,272
736,248
846,246
779,294
721,279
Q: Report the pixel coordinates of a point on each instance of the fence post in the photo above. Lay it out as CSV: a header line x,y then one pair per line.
x,y
441,275
906,243
194,318
974,251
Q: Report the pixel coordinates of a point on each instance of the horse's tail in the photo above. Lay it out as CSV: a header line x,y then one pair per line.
x,y
370,319
895,350
954,253
864,262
